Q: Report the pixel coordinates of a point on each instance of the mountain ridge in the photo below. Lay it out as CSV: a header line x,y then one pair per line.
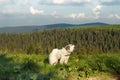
x,y
22,29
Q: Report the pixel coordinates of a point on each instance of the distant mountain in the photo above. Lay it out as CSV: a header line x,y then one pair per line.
x,y
20,29
94,24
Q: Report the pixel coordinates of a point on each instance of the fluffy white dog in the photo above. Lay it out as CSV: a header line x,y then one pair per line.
x,y
61,55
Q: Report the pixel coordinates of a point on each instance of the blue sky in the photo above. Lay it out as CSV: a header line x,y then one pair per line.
x,y
42,12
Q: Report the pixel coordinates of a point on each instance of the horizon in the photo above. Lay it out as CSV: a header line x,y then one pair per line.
x,y
29,12
57,24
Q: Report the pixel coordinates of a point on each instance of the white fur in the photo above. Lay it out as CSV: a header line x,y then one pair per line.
x,y
60,55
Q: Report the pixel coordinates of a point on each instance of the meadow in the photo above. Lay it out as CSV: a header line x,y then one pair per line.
x,y
79,67
96,56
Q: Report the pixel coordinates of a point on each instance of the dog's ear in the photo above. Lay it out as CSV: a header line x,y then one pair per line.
x,y
67,47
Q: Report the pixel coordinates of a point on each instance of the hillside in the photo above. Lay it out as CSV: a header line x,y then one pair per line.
x,y
87,40
20,29
25,56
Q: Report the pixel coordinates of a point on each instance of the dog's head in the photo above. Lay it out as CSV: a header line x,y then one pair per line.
x,y
69,47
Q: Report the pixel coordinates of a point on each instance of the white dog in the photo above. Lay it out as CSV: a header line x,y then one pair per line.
x,y
61,55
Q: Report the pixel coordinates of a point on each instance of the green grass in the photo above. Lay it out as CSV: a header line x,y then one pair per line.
x,y
36,67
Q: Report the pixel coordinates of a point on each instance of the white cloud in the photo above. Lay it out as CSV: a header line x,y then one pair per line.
x,y
97,11
81,15
117,16
114,16
58,1
55,2
73,15
79,1
35,11
66,2
77,16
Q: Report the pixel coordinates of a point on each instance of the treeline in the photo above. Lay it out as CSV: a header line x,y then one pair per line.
x,y
86,40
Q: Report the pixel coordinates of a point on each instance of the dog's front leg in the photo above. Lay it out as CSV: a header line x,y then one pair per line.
x,y
62,60
66,60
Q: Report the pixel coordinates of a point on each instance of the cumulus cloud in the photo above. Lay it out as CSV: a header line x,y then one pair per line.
x,y
58,1
114,16
117,16
35,11
97,11
72,15
65,2
78,1
77,16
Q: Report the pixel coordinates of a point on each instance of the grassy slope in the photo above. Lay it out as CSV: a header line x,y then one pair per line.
x,y
36,67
